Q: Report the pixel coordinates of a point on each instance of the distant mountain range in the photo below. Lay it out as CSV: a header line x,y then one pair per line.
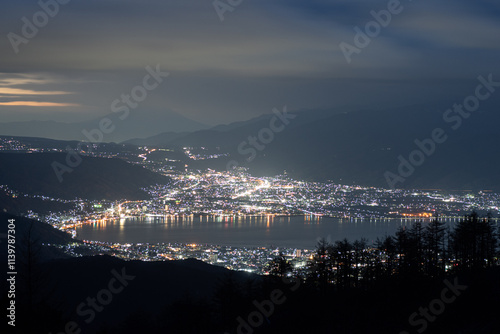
x,y
360,147
218,136
365,147
136,124
93,178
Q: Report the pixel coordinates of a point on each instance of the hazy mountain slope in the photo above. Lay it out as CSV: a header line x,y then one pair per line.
x,y
360,147
158,140
138,124
223,134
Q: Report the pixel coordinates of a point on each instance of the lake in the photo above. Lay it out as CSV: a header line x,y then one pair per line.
x,y
293,232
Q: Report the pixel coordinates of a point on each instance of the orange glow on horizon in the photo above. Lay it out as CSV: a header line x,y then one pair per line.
x,y
38,104
20,91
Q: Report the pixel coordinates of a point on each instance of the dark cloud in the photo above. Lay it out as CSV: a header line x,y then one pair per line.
x,y
263,54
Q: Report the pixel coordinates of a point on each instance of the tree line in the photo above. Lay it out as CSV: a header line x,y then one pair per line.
x,y
424,250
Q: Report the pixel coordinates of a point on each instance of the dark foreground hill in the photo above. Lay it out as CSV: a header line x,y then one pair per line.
x,y
20,204
106,295
31,236
53,290
93,178
50,286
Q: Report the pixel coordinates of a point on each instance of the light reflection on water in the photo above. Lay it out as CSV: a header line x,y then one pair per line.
x,y
286,231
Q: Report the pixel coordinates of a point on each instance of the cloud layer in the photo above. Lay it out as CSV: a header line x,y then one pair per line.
x,y
263,54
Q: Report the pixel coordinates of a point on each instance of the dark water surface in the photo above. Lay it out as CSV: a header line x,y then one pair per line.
x,y
296,231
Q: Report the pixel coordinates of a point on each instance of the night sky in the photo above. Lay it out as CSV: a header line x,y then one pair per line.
x,y
263,54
